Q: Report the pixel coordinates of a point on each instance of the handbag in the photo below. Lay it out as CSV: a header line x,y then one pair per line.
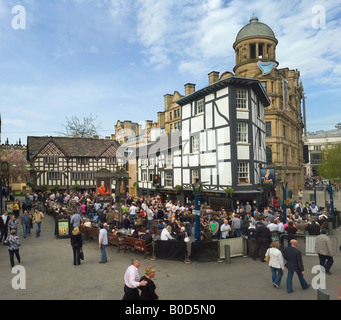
x,y
267,257
187,239
81,254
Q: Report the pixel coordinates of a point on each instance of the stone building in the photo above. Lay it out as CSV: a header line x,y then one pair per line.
x,y
255,50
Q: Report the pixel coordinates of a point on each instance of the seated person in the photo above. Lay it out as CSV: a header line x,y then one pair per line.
x,y
148,237
181,235
165,234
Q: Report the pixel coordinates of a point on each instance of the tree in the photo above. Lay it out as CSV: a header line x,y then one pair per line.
x,y
330,167
77,129
18,166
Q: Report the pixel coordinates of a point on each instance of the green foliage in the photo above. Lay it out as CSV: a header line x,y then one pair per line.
x,y
229,192
178,188
330,167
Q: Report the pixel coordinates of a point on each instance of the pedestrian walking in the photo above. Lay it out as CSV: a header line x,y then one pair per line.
x,y
132,281
26,223
13,224
37,219
324,249
294,263
276,263
148,291
13,243
76,243
103,242
4,226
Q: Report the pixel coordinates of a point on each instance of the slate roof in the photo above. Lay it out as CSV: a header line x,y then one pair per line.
x,y
73,147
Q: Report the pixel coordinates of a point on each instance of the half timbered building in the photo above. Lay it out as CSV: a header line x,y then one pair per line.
x,y
67,162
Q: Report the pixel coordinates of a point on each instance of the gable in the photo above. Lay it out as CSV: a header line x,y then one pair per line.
x,y
50,149
111,152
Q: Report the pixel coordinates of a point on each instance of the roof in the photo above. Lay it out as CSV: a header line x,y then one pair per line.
x,y
255,28
235,81
74,147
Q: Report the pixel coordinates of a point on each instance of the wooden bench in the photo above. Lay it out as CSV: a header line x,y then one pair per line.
x,y
137,244
115,240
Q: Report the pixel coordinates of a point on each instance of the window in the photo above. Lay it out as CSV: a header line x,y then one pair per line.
x,y
151,175
241,99
176,113
171,128
252,51
168,180
110,160
83,161
53,175
170,116
199,107
243,172
50,160
195,143
283,131
268,155
268,129
195,175
82,176
242,132
144,175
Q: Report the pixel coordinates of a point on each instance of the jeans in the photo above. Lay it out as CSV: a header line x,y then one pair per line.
x,y
103,253
326,261
26,229
149,224
38,229
303,283
277,274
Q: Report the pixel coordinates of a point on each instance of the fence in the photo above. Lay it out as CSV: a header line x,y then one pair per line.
x,y
306,243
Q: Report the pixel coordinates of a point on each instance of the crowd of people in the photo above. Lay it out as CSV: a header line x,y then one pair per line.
x,y
146,216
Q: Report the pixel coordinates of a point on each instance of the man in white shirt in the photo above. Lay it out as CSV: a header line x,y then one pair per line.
x,y
103,242
225,228
132,281
132,211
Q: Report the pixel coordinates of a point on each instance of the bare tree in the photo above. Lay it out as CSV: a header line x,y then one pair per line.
x,y
77,129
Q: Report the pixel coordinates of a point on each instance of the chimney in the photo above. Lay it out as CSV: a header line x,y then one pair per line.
x,y
161,119
189,89
213,77
168,101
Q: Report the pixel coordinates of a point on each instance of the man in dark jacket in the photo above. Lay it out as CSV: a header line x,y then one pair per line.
x,y
294,264
263,240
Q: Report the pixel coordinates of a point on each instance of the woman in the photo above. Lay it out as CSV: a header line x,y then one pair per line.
x,y
165,233
76,243
290,231
13,243
276,263
148,291
13,224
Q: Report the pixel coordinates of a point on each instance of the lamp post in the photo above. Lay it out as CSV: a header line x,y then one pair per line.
x,y
284,189
196,189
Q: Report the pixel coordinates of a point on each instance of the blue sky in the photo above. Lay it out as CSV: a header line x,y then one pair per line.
x,y
116,59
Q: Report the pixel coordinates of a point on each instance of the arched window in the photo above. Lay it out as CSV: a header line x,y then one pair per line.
x,y
268,155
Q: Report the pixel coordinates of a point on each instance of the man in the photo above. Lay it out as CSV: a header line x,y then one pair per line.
x,y
294,264
76,220
132,281
4,226
26,223
37,219
263,240
103,242
225,229
325,250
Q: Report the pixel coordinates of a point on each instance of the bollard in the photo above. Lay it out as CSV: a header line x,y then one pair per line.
x,y
322,295
227,254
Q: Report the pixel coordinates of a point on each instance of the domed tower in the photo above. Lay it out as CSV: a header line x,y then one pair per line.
x,y
255,48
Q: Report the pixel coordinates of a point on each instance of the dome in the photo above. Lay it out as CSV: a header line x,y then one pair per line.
x,y
255,28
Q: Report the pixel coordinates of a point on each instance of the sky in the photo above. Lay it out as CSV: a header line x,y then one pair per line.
x,y
116,59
